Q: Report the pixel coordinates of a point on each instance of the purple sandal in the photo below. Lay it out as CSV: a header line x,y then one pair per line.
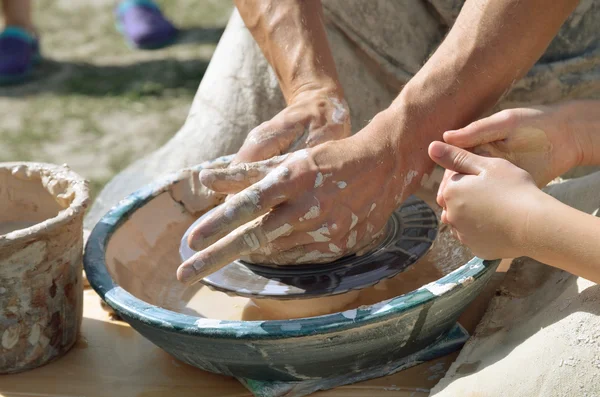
x,y
143,24
19,53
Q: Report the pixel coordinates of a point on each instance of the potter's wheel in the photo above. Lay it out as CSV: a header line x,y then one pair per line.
x,y
409,234
131,258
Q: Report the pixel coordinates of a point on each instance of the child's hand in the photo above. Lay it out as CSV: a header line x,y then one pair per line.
x,y
537,140
488,201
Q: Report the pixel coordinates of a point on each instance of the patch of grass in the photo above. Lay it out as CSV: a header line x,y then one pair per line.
x,y
197,13
120,159
89,74
96,185
156,78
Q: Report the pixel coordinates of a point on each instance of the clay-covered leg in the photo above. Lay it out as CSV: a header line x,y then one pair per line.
x,y
540,334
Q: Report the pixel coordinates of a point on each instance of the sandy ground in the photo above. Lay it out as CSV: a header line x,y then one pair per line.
x,y
96,104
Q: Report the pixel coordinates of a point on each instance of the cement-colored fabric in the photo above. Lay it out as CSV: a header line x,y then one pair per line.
x,y
541,333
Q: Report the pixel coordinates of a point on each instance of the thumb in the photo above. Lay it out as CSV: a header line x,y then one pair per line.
x,y
456,159
271,138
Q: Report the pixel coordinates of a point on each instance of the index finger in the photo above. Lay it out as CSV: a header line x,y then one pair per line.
x,y
252,238
242,208
487,130
221,253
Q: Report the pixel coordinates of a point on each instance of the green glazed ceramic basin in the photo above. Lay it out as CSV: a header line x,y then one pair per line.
x,y
134,248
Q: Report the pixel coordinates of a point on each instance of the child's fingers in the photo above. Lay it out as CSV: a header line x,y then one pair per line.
x,y
487,130
440,194
456,159
444,217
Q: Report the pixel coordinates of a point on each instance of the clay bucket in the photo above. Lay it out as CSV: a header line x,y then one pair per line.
x,y
132,255
41,245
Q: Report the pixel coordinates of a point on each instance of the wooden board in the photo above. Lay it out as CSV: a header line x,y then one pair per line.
x,y
111,359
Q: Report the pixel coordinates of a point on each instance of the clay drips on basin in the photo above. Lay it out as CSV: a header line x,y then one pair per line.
x,y
142,256
41,240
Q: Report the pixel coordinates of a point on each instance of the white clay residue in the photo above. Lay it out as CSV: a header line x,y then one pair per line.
x,y
273,177
264,136
299,155
315,256
351,239
229,212
354,221
251,240
312,213
371,209
438,289
334,248
10,337
340,112
320,235
370,228
319,179
251,195
409,177
398,199
280,231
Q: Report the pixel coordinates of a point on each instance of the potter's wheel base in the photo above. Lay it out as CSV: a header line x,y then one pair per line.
x,y
451,342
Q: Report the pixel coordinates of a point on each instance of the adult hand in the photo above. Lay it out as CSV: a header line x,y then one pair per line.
x,y
537,140
292,37
312,117
489,202
314,205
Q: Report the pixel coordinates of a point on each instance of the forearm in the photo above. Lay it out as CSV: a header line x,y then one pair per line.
x,y
291,35
566,238
492,44
581,119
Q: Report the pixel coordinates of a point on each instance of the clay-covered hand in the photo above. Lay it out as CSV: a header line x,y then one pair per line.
x,y
313,116
201,199
488,201
534,139
310,206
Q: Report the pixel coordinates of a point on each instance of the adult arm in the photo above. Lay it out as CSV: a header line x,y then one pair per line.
x,y
492,44
291,34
